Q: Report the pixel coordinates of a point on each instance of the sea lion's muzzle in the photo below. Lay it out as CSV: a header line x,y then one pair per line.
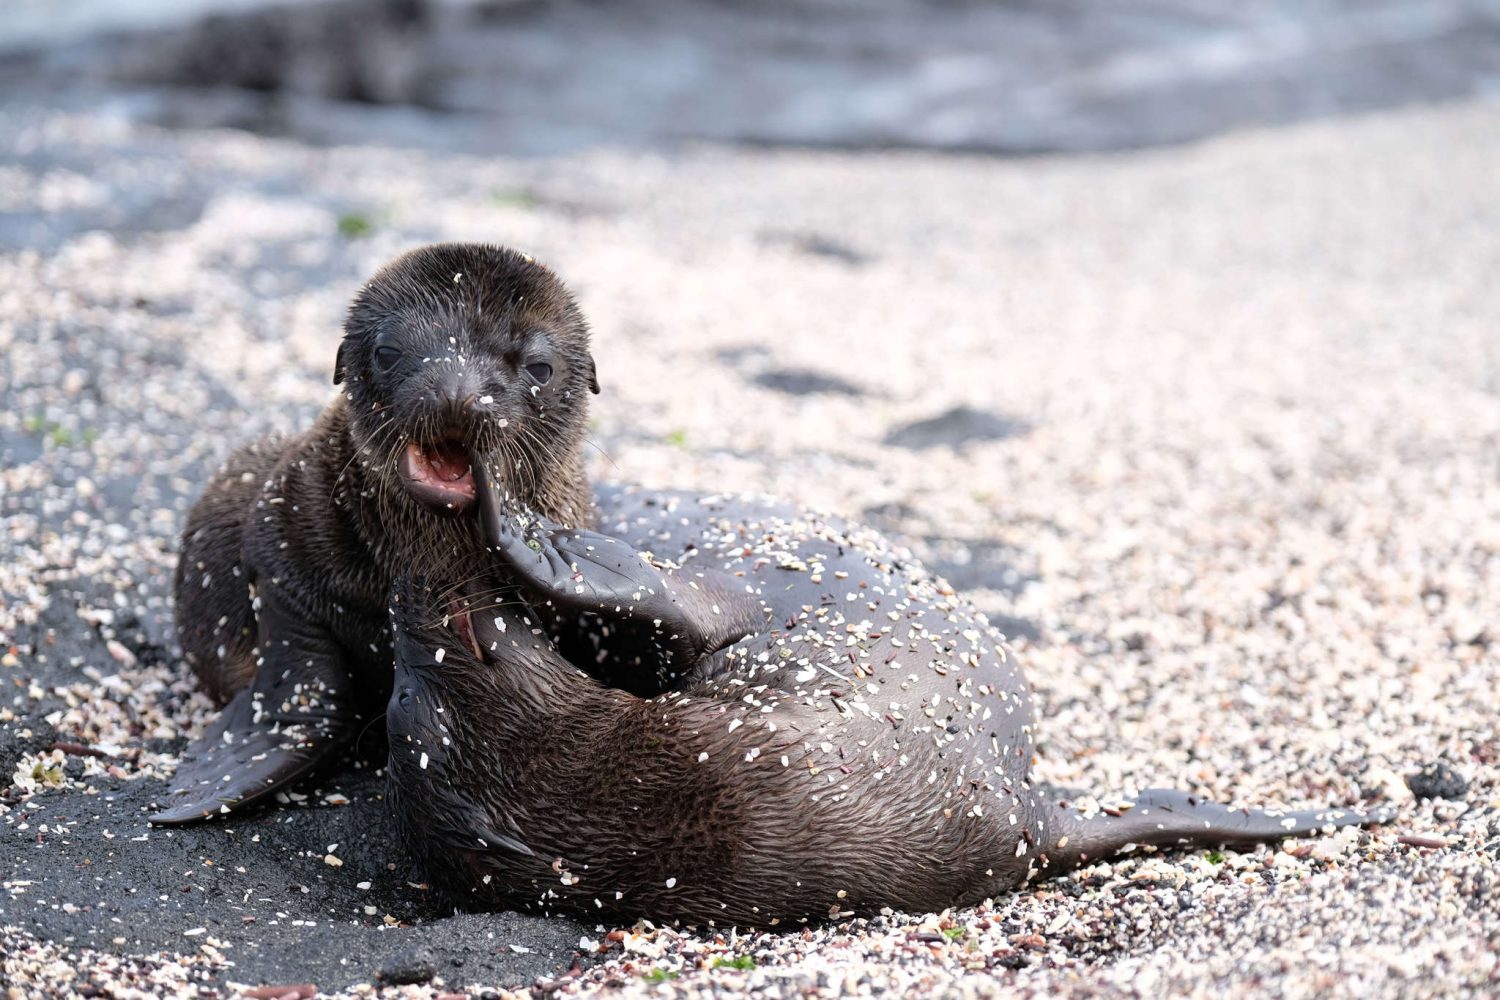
x,y
440,475
415,723
435,468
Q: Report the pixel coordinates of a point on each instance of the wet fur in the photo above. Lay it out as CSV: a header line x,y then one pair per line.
x,y
608,788
323,518
868,746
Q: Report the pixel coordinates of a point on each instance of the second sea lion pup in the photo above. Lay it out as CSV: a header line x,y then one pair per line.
x,y
452,354
838,733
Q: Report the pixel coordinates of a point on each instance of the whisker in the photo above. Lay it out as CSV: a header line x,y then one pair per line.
x,y
365,730
437,622
383,429
607,456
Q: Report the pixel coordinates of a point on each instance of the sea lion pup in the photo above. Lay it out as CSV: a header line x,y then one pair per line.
x,y
845,734
451,354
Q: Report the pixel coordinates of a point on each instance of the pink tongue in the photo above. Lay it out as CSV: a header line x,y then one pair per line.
x,y
448,462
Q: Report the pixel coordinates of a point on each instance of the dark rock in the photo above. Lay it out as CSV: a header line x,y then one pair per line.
x,y
815,245
966,564
741,356
1437,781
973,565
1010,626
890,515
800,382
415,965
20,446
957,426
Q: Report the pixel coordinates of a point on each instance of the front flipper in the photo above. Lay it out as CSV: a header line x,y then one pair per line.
x,y
298,711
685,615
1162,817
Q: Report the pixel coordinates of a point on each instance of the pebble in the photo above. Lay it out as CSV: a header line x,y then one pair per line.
x,y
1437,781
415,966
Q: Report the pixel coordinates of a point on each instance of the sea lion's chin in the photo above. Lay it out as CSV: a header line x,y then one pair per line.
x,y
438,476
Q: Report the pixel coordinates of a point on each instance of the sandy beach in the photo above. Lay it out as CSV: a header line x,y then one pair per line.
x,y
1212,432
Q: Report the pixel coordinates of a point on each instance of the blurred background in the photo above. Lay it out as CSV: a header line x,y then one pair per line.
x,y
548,76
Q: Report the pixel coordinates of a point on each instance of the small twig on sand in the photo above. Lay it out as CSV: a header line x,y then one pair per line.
x,y
79,750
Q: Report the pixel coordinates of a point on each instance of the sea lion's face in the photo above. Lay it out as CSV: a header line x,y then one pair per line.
x,y
462,353
420,735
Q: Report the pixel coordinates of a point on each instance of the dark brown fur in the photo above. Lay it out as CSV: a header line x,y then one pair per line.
x,y
320,524
865,743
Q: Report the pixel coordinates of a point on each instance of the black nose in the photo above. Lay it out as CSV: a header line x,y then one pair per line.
x,y
454,395
403,696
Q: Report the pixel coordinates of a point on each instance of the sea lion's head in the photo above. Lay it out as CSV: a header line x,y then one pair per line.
x,y
431,651
461,353
472,665
441,689
454,713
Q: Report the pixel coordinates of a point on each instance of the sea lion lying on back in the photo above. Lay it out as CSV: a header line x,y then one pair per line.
x,y
838,731
451,354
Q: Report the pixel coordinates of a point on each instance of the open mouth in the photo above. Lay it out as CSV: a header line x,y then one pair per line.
x,y
439,475
459,613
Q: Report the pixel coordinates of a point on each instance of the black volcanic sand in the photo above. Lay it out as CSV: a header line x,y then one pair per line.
x,y
262,888
545,78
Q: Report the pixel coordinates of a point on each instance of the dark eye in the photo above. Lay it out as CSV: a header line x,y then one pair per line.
x,y
385,357
540,371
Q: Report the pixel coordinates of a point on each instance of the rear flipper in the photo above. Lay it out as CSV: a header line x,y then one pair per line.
x,y
297,712
1162,817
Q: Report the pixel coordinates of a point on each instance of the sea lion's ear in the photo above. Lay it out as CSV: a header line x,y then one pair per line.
x,y
338,363
593,376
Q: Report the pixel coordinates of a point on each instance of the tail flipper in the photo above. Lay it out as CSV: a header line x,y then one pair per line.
x,y
1162,817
